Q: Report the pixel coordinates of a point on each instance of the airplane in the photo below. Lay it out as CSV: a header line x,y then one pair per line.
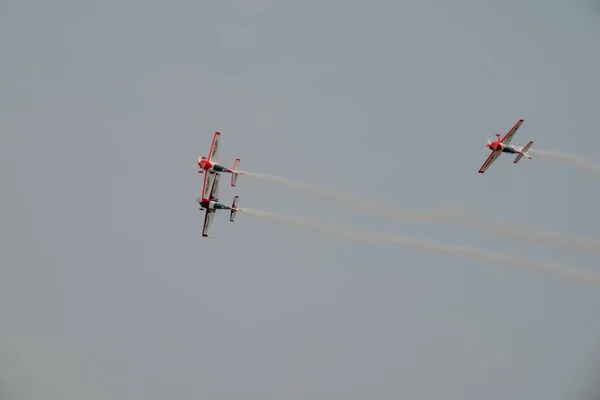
x,y
211,205
211,167
503,146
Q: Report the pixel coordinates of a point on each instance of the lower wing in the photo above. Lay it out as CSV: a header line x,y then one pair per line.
x,y
209,180
214,193
208,217
490,160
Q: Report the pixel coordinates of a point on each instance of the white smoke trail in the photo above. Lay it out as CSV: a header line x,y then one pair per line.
x,y
558,270
582,163
462,217
509,229
370,206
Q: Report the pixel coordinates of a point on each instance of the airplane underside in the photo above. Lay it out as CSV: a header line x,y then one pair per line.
x,y
509,150
213,206
219,168
219,206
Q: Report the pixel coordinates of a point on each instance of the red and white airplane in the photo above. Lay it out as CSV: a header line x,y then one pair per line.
x,y
211,204
211,167
503,146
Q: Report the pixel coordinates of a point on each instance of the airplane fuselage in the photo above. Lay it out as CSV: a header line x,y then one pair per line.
x,y
213,205
206,165
497,146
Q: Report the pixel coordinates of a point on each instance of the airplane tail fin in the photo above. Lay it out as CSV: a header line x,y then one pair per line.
x,y
233,208
524,152
234,175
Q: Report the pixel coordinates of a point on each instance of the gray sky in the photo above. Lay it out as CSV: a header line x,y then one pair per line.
x,y
107,289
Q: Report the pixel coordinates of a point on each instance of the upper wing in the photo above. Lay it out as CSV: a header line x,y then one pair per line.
x,y
490,160
213,155
508,137
208,217
209,179
214,194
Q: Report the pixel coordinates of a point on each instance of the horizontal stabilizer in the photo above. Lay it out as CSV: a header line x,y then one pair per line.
x,y
523,152
234,174
233,208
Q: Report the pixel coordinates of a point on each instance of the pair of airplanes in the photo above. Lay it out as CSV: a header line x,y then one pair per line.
x,y
212,170
503,146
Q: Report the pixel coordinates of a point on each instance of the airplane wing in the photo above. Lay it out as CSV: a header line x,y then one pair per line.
x,y
208,217
508,137
213,155
490,160
214,194
209,179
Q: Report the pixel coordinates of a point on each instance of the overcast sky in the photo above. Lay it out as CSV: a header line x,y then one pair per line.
x,y
108,290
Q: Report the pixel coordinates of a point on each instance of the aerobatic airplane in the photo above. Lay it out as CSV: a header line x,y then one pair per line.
x,y
211,167
503,146
211,204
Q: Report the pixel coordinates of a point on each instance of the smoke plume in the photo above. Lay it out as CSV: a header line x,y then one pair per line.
x,y
582,163
356,235
462,217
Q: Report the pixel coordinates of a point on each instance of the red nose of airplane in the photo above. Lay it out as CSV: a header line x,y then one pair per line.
x,y
494,146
